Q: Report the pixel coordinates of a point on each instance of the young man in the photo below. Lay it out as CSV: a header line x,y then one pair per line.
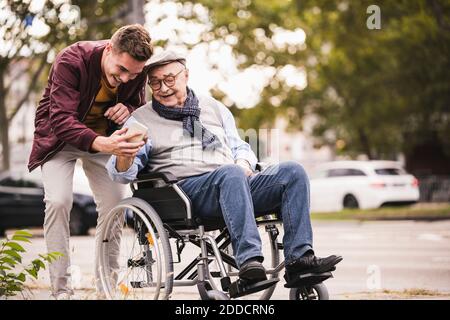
x,y
195,139
93,87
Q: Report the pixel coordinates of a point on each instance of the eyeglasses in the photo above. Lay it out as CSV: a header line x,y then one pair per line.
x,y
169,81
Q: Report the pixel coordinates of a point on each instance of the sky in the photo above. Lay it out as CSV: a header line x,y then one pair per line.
x,y
164,22
241,86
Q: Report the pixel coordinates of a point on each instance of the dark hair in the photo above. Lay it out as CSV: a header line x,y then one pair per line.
x,y
133,39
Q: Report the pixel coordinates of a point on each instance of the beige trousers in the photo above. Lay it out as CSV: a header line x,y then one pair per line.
x,y
57,176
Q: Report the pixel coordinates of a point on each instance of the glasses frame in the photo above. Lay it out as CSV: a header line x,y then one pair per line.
x,y
160,81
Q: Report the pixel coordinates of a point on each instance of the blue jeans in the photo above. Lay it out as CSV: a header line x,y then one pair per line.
x,y
226,192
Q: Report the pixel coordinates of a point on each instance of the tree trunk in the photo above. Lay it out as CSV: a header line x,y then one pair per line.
x,y
4,123
428,158
364,141
31,87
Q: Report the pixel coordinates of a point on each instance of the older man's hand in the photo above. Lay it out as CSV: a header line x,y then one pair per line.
x,y
245,165
118,113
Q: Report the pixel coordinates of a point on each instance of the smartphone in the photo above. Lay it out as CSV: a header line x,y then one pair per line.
x,y
137,127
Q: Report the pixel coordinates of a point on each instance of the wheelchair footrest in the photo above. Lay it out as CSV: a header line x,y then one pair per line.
x,y
137,284
241,288
307,279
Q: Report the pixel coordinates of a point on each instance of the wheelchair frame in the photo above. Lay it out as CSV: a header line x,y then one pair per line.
x,y
157,197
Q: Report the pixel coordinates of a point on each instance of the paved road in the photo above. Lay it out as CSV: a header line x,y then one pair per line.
x,y
381,260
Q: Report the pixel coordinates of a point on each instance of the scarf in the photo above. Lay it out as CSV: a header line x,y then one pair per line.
x,y
190,115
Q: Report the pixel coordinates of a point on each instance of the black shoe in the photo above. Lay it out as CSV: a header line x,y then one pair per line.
x,y
309,263
252,271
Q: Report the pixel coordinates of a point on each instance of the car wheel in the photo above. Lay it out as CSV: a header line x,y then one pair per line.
x,y
77,225
350,202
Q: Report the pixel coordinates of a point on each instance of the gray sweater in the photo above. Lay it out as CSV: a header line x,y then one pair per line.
x,y
174,151
167,149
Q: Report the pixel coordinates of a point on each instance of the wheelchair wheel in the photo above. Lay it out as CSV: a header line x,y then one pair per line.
x,y
315,292
134,234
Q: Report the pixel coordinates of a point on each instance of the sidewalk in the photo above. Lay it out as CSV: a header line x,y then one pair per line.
x,y
382,260
182,294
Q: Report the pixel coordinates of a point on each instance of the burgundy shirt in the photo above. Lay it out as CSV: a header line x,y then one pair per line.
x,y
73,83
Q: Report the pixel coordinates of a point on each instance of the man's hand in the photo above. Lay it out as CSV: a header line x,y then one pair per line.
x,y
119,113
245,165
117,144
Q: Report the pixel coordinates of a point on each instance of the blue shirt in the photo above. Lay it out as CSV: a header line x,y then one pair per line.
x,y
239,148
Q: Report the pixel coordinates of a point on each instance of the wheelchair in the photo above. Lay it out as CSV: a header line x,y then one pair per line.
x,y
142,230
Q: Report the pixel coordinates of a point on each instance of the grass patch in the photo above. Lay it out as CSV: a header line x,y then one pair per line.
x,y
386,294
415,212
414,292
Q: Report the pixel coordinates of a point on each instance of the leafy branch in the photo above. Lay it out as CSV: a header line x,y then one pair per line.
x,y
11,281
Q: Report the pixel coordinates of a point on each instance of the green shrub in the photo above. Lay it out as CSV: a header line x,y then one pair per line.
x,y
11,280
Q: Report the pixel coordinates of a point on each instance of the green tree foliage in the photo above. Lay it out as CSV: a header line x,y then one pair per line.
x,y
376,92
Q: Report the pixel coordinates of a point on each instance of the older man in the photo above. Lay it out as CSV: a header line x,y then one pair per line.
x,y
194,137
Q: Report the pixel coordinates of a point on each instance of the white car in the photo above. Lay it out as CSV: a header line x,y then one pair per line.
x,y
361,184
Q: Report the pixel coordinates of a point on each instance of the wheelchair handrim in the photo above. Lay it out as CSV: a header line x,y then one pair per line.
x,y
110,219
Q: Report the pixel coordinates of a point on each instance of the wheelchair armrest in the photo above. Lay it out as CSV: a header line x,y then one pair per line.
x,y
153,176
260,166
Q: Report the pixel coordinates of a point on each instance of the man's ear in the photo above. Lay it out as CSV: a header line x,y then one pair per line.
x,y
108,47
187,74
